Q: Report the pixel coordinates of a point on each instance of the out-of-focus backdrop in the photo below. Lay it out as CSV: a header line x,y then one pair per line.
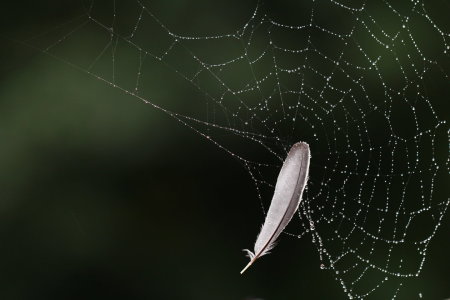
x,y
105,197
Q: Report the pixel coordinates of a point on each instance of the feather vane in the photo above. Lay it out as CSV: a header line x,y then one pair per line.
x,y
287,196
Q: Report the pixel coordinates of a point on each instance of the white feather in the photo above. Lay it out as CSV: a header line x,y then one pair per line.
x,y
289,188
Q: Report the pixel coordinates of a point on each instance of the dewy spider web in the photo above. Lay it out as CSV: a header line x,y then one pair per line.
x,y
360,81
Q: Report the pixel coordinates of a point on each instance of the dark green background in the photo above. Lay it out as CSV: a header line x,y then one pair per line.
x,y
104,197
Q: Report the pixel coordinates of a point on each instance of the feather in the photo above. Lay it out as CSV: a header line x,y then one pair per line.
x,y
286,198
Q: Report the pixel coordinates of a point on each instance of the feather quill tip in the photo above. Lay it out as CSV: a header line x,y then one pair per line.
x,y
252,257
248,265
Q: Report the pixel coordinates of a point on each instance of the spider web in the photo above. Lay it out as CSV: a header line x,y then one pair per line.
x,y
361,82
